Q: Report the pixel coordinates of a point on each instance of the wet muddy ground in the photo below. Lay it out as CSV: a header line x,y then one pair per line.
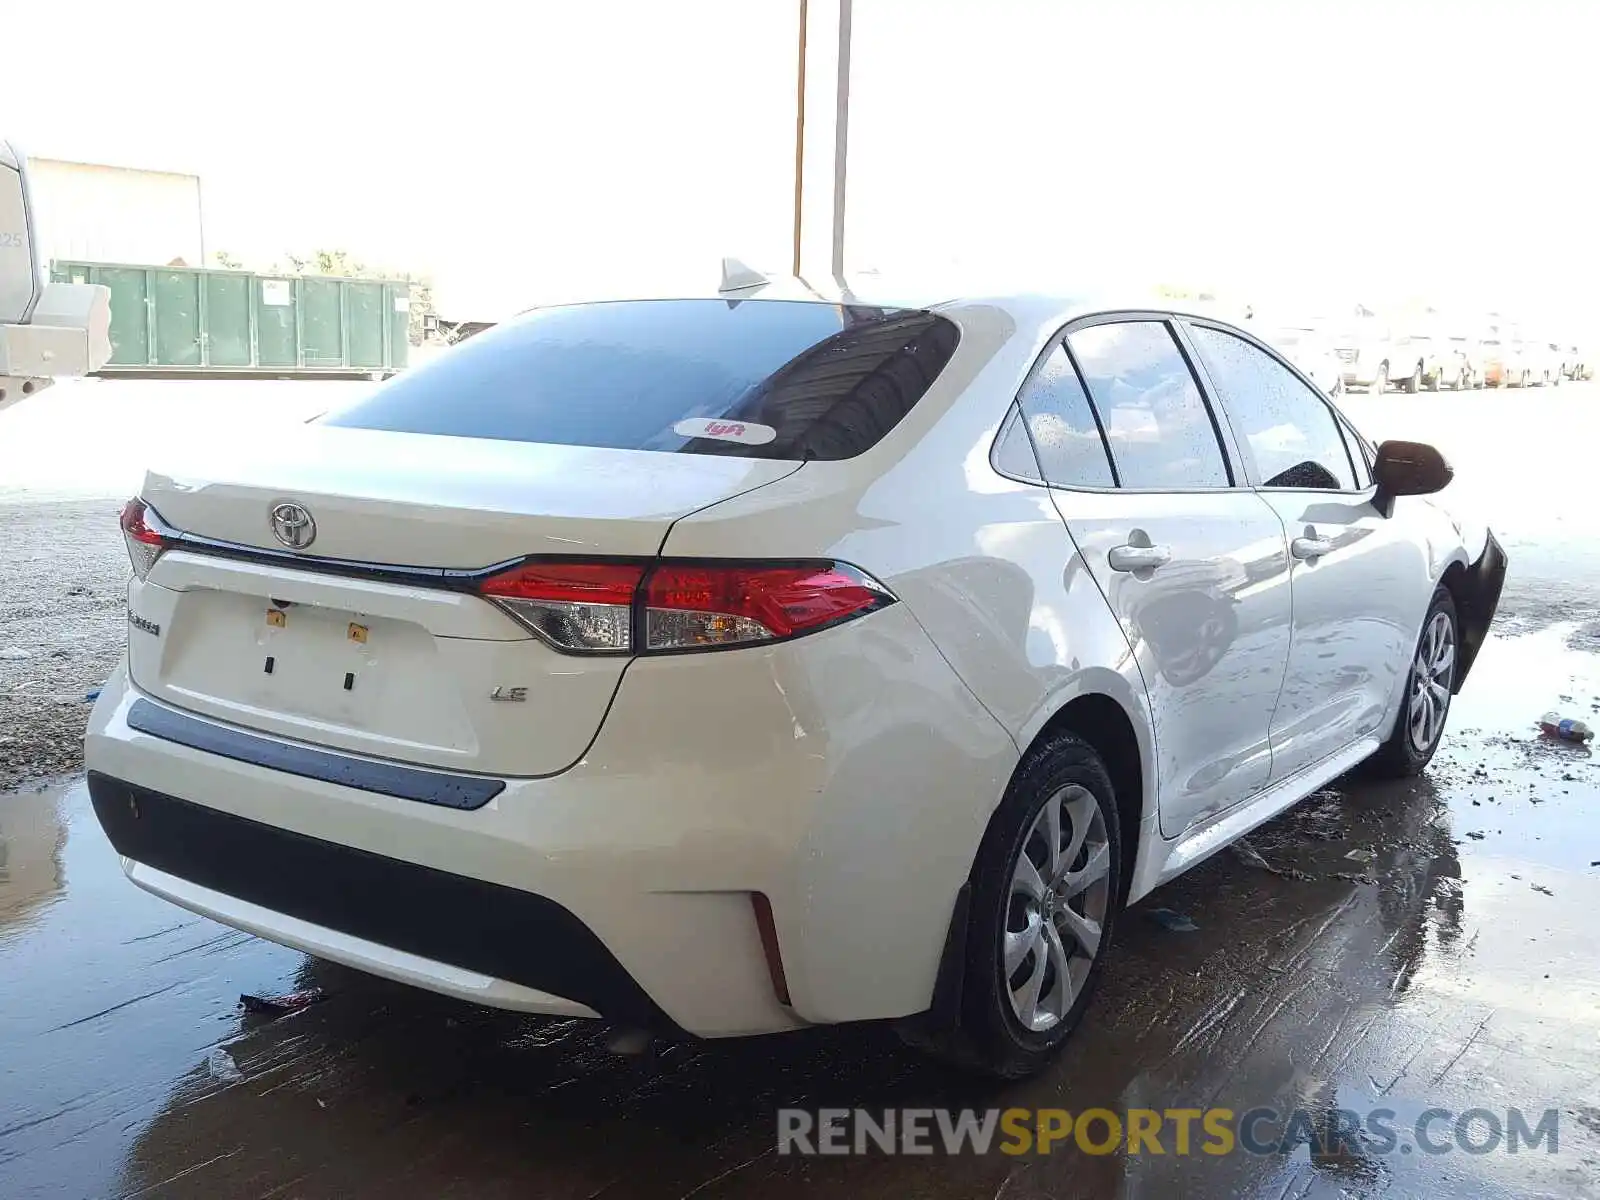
x,y
1429,945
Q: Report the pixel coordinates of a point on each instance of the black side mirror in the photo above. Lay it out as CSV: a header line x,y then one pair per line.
x,y
1409,469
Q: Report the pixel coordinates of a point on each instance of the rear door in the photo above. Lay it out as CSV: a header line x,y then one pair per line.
x,y
1360,583
1191,561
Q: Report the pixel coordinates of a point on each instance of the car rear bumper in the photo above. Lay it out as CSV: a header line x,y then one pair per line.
x,y
797,777
329,897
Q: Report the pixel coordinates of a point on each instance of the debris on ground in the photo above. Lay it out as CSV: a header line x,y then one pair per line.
x,y
1251,857
283,1005
1476,835
1173,922
1541,889
629,1043
91,695
1361,856
1567,729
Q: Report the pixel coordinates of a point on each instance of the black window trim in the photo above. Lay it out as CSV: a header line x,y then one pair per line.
x,y
1013,416
1233,460
1252,468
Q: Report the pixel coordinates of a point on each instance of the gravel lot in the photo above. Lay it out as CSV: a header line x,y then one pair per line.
x,y
68,459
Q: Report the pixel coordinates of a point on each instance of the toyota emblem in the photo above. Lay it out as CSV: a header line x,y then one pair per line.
x,y
292,525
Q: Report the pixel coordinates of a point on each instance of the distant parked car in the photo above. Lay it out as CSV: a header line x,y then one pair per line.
x,y
1435,361
1577,368
1468,359
1551,364
1370,359
1537,363
1311,351
1493,355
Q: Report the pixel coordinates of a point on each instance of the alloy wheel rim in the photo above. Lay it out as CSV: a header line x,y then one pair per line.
x,y
1060,893
1431,676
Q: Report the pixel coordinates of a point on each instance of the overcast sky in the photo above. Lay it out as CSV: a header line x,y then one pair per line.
x,y
1324,149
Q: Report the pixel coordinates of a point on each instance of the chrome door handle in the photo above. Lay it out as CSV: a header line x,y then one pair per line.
x,y
1310,548
1138,558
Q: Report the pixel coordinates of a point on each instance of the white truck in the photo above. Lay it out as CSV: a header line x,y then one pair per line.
x,y
48,331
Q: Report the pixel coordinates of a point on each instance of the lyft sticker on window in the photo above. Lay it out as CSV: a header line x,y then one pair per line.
x,y
747,432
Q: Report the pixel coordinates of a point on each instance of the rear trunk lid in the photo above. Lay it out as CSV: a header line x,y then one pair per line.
x,y
308,646
449,502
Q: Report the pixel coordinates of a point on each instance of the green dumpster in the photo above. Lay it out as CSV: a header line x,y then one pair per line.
x,y
186,321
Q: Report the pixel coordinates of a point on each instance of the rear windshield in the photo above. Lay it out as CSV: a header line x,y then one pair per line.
x,y
788,379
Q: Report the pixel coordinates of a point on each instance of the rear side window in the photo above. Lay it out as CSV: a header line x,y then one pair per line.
x,y
1071,451
785,379
1290,429
1013,449
1156,422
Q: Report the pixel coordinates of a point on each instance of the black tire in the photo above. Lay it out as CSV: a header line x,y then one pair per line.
x,y
1401,755
1433,382
992,1039
1381,383
1411,385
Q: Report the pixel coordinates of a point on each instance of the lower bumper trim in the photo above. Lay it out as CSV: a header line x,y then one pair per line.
x,y
488,928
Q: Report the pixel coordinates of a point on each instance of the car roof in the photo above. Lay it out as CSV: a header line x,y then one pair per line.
x,y
1028,308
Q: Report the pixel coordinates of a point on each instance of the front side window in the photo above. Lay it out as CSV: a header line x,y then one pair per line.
x,y
1156,422
1065,435
787,379
1291,432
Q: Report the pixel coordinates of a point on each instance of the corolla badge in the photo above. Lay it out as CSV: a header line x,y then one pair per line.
x,y
292,525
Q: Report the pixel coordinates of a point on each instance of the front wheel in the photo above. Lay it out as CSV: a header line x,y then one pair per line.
x,y
1419,726
1381,383
1046,891
1410,385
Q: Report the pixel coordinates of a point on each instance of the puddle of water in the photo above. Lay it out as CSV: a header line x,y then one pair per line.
x,y
108,996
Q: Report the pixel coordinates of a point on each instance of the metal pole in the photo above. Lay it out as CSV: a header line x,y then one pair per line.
x,y
200,217
799,139
841,138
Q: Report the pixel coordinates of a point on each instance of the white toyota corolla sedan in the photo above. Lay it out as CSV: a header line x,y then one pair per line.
x,y
729,664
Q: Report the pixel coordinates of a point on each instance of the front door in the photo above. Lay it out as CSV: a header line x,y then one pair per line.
x,y
1194,567
1360,588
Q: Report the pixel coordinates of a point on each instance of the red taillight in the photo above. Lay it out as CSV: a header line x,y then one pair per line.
x,y
145,543
594,608
693,606
584,608
586,583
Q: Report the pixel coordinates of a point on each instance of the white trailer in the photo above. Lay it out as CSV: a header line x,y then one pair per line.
x,y
48,331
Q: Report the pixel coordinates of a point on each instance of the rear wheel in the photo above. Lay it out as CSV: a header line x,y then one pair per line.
x,y
1419,726
1411,384
1046,890
1381,383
